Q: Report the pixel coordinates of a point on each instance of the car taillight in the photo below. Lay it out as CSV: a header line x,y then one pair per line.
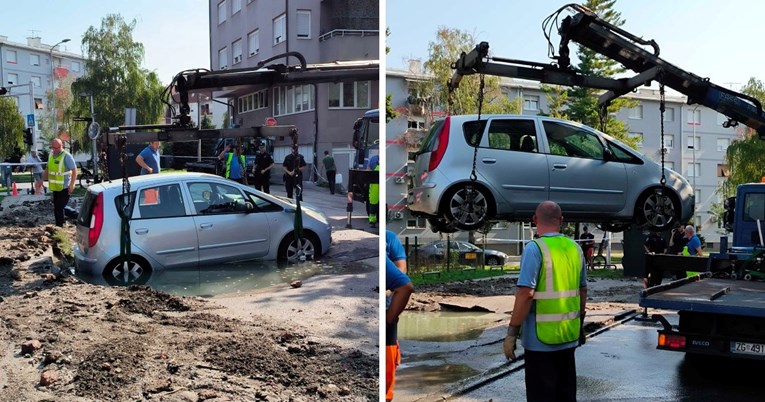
x,y
672,341
96,220
440,146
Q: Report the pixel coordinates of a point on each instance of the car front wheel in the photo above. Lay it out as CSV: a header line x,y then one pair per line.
x,y
137,271
467,206
657,210
492,261
308,248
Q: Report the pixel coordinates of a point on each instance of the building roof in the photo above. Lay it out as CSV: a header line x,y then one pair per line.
x,y
34,45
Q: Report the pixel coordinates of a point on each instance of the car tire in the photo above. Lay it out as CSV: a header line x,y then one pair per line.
x,y
492,261
467,215
288,250
657,209
137,272
440,225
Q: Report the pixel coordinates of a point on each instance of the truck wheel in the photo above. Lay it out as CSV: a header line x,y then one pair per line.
x,y
733,276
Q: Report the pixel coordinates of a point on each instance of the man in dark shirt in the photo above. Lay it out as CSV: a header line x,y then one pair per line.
x,y
587,243
261,169
293,166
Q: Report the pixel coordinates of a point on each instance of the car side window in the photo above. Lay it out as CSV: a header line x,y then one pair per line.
x,y
513,135
622,155
163,201
262,205
214,198
568,140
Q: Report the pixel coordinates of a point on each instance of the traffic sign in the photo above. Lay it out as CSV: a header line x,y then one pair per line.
x,y
270,122
31,120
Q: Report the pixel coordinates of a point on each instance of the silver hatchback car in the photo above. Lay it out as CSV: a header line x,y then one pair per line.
x,y
189,220
520,161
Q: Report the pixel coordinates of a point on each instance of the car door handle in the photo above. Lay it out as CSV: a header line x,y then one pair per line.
x,y
560,166
205,225
141,231
489,161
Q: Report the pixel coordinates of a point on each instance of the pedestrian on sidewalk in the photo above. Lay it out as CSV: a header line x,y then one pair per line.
x,y
329,168
549,309
261,169
61,174
293,165
148,159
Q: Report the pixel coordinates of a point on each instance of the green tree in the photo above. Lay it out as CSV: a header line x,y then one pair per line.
x,y
206,123
11,127
115,78
556,96
746,155
447,47
582,102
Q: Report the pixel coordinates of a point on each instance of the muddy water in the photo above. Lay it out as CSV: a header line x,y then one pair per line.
x,y
444,326
241,277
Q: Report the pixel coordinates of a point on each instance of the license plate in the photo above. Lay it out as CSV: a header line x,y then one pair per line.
x,y
471,256
747,348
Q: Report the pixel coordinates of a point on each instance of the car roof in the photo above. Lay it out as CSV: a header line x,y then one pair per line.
x,y
150,179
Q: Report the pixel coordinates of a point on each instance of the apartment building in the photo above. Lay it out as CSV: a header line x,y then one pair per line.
x,y
33,69
694,139
244,33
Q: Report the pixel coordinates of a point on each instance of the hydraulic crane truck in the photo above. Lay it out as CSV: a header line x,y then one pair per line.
x,y
721,312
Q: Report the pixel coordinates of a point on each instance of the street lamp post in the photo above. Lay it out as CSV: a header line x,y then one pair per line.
x,y
53,87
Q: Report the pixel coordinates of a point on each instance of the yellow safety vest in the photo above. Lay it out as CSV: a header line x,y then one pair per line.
x,y
243,164
374,190
57,171
557,293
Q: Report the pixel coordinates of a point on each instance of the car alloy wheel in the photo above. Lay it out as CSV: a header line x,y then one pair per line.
x,y
492,261
467,207
134,272
658,210
293,250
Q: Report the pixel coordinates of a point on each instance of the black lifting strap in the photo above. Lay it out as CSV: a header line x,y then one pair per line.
x,y
125,207
662,108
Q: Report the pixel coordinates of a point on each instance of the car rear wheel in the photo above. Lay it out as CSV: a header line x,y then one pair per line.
x,y
137,271
308,249
492,261
467,206
657,210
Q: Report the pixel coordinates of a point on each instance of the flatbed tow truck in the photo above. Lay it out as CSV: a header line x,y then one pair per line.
x,y
720,314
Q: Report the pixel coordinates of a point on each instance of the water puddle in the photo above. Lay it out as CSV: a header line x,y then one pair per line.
x,y
426,376
239,277
444,326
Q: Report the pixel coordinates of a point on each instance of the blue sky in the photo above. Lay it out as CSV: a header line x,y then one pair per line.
x,y
710,38
175,33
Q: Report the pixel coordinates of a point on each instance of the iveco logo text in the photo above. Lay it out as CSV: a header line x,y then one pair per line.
x,y
700,343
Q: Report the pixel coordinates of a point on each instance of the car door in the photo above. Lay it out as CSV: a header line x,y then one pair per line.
x,y
509,159
585,179
162,228
227,231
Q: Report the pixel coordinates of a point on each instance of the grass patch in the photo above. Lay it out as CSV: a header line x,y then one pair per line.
x,y
433,277
64,244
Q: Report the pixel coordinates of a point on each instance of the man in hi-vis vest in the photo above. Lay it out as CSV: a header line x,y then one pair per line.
x,y
61,174
549,309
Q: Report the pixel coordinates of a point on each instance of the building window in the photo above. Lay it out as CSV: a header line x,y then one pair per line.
x,y
222,12
722,170
304,24
253,101
294,99
347,95
38,103
415,124
37,81
10,56
697,196
236,6
76,66
34,59
694,117
223,58
669,165
639,139
669,141
694,143
13,78
416,223
636,112
236,51
253,42
722,144
669,114
692,169
279,31
531,102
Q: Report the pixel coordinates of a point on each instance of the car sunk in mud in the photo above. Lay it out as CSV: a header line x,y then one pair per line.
x,y
183,220
518,161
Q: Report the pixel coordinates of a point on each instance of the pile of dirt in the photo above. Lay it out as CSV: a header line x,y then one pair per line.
x,y
63,339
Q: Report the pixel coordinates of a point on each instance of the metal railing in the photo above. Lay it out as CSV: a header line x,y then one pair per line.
x,y
348,32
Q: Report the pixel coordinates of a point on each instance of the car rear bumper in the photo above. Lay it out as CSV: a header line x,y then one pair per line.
x,y
424,199
84,264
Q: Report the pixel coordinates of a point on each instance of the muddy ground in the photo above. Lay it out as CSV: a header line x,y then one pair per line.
x,y
65,340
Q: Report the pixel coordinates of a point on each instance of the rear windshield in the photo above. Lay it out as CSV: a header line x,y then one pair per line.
x,y
83,219
431,139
